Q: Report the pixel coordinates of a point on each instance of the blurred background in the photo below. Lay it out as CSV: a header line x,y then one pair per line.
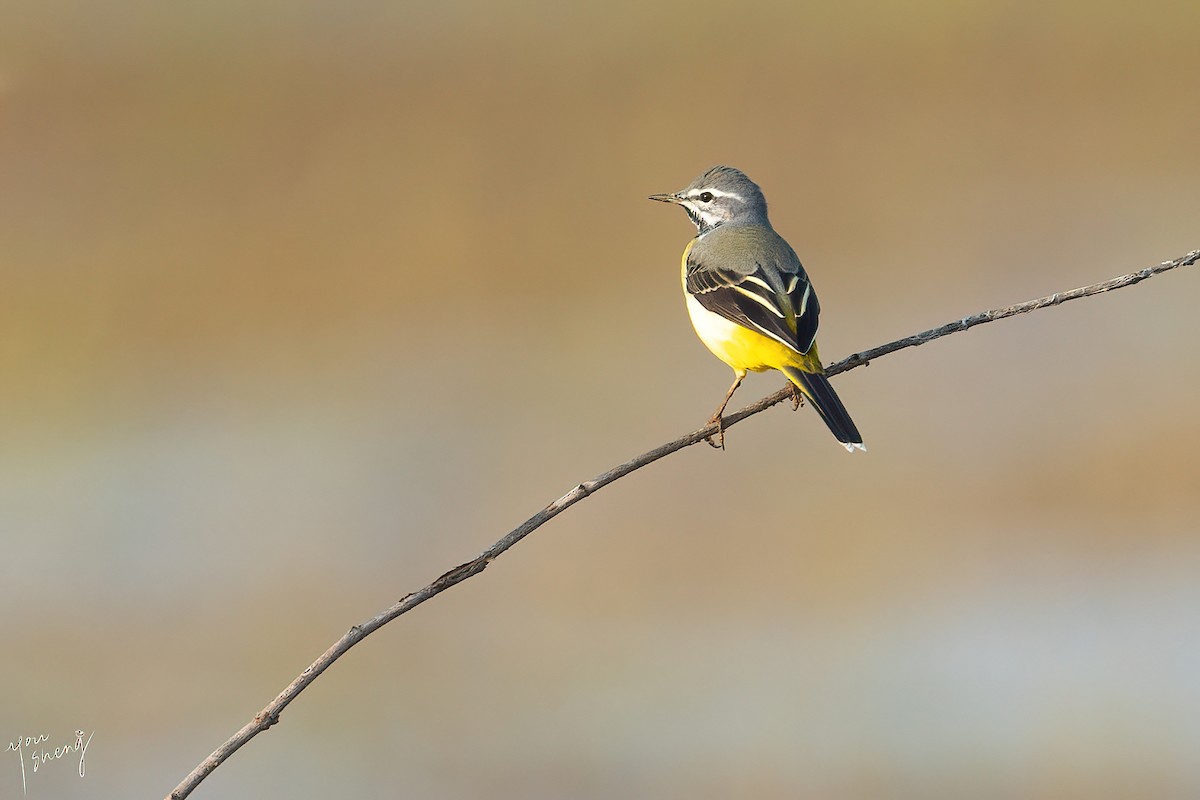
x,y
303,303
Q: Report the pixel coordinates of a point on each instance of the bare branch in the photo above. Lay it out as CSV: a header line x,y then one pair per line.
x,y
270,714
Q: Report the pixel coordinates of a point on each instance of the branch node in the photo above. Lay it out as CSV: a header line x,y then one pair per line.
x,y
266,718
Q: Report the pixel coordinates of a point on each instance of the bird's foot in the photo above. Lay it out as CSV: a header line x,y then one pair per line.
x,y
719,442
797,397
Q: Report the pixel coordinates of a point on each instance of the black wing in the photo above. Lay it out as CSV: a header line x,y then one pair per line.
x,y
775,299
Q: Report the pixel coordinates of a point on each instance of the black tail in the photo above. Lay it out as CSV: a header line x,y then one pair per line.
x,y
824,399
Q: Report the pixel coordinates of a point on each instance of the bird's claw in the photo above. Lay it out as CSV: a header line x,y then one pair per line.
x,y
719,444
797,397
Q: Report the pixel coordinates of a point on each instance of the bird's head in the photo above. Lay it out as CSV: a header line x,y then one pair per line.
x,y
720,195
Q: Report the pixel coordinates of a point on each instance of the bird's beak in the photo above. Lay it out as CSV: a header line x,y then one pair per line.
x,y
666,198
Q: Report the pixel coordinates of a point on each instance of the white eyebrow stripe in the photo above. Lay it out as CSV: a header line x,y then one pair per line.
x,y
715,193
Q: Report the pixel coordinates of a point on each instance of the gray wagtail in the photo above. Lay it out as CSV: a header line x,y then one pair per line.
x,y
749,298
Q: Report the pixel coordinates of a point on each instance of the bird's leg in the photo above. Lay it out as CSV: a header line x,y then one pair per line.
x,y
716,417
797,397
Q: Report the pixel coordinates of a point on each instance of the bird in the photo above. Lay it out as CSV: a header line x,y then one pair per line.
x,y
749,298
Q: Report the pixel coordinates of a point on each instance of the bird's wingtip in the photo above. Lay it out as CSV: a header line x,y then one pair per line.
x,y
852,446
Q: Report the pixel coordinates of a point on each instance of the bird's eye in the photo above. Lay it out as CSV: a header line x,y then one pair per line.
x,y
706,197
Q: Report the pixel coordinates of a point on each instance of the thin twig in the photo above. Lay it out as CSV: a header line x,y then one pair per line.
x,y
270,714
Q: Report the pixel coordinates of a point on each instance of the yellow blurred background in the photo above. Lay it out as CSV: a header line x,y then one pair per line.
x,y
303,303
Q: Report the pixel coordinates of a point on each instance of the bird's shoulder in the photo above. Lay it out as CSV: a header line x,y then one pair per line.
x,y
743,250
